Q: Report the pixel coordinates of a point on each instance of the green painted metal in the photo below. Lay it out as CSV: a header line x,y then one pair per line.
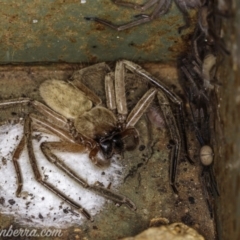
x,y
56,31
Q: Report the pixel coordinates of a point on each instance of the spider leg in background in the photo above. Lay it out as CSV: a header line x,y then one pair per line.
x,y
204,178
195,88
176,141
186,17
162,6
137,6
210,188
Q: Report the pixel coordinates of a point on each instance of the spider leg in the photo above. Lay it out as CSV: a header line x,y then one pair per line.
x,y
117,198
16,156
195,46
171,95
176,140
37,174
141,7
78,76
186,19
197,131
207,178
206,190
120,92
110,91
121,103
199,92
170,119
183,7
213,182
161,8
48,113
142,18
47,148
141,107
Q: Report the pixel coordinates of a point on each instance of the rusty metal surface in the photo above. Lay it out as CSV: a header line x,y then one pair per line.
x,y
56,31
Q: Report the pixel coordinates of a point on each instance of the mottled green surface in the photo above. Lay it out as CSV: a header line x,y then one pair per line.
x,y
56,31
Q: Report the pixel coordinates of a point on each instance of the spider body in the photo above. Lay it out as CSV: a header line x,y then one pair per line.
x,y
77,116
95,126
